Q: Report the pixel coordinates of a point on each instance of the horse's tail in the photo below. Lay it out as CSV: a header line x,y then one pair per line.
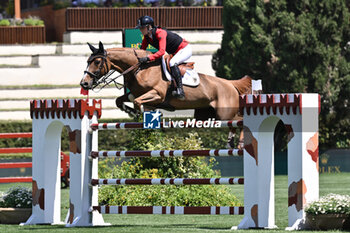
x,y
243,85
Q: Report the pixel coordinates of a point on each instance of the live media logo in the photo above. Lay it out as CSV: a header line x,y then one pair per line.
x,y
151,120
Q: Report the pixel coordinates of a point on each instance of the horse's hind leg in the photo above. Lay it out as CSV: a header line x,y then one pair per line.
x,y
120,102
231,139
230,113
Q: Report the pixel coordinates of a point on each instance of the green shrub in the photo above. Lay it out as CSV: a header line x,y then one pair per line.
x,y
178,167
118,4
29,22
40,23
60,4
46,2
17,197
33,22
5,22
91,5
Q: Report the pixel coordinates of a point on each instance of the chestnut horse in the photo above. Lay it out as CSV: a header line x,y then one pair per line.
x,y
214,97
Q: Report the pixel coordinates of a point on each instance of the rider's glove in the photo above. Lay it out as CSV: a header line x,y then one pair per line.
x,y
143,59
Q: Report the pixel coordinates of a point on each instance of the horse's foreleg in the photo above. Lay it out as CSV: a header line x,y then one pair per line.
x,y
152,98
120,102
225,111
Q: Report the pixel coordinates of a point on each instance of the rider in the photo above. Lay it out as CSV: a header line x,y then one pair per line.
x,y
165,40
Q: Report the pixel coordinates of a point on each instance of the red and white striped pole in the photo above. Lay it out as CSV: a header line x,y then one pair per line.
x,y
207,210
169,181
166,153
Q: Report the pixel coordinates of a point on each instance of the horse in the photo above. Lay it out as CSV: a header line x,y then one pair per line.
x,y
214,97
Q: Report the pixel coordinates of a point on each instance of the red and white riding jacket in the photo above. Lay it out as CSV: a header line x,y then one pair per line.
x,y
163,40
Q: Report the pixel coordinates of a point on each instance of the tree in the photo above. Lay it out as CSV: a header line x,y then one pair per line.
x,y
293,46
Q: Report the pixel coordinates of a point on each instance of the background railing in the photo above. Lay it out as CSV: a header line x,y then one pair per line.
x,y
22,34
20,150
119,18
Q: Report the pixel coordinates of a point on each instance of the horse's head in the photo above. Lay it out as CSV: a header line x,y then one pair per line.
x,y
97,67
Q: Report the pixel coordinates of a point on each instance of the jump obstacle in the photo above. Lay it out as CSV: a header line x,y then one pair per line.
x,y
299,113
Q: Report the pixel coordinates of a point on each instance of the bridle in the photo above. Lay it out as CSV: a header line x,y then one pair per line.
x,y
97,79
103,64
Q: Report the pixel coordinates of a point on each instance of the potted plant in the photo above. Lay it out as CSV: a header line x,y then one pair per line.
x,y
329,212
22,31
15,205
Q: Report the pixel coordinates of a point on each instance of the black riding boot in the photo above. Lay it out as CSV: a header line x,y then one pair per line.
x,y
175,72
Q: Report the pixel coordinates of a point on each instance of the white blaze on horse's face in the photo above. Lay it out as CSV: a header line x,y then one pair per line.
x,y
93,68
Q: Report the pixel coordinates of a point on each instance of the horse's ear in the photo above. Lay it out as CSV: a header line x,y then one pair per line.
x,y
100,47
92,48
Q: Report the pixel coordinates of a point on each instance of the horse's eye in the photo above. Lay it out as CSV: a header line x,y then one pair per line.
x,y
97,62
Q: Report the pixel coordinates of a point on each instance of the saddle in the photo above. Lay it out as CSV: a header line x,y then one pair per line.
x,y
182,67
189,76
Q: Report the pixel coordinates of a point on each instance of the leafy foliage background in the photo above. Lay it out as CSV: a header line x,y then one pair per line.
x,y
294,47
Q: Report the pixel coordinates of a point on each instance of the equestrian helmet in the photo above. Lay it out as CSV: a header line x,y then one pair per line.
x,y
145,21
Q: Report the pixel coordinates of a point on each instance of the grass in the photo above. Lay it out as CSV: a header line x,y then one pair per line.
x,y
14,109
18,66
35,86
335,183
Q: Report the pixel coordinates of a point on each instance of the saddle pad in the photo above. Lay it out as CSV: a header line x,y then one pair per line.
x,y
191,77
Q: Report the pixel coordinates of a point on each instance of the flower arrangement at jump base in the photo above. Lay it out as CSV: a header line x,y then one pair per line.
x,y
329,212
15,205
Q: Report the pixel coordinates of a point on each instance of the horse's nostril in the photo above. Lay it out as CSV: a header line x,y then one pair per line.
x,y
84,84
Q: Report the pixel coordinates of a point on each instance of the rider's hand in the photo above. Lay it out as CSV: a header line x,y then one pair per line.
x,y
143,59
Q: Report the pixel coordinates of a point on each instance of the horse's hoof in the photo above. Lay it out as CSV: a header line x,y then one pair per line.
x,y
231,143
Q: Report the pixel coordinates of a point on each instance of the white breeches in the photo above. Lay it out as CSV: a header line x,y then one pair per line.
x,y
181,56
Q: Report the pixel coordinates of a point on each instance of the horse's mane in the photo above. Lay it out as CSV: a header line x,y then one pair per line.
x,y
140,52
